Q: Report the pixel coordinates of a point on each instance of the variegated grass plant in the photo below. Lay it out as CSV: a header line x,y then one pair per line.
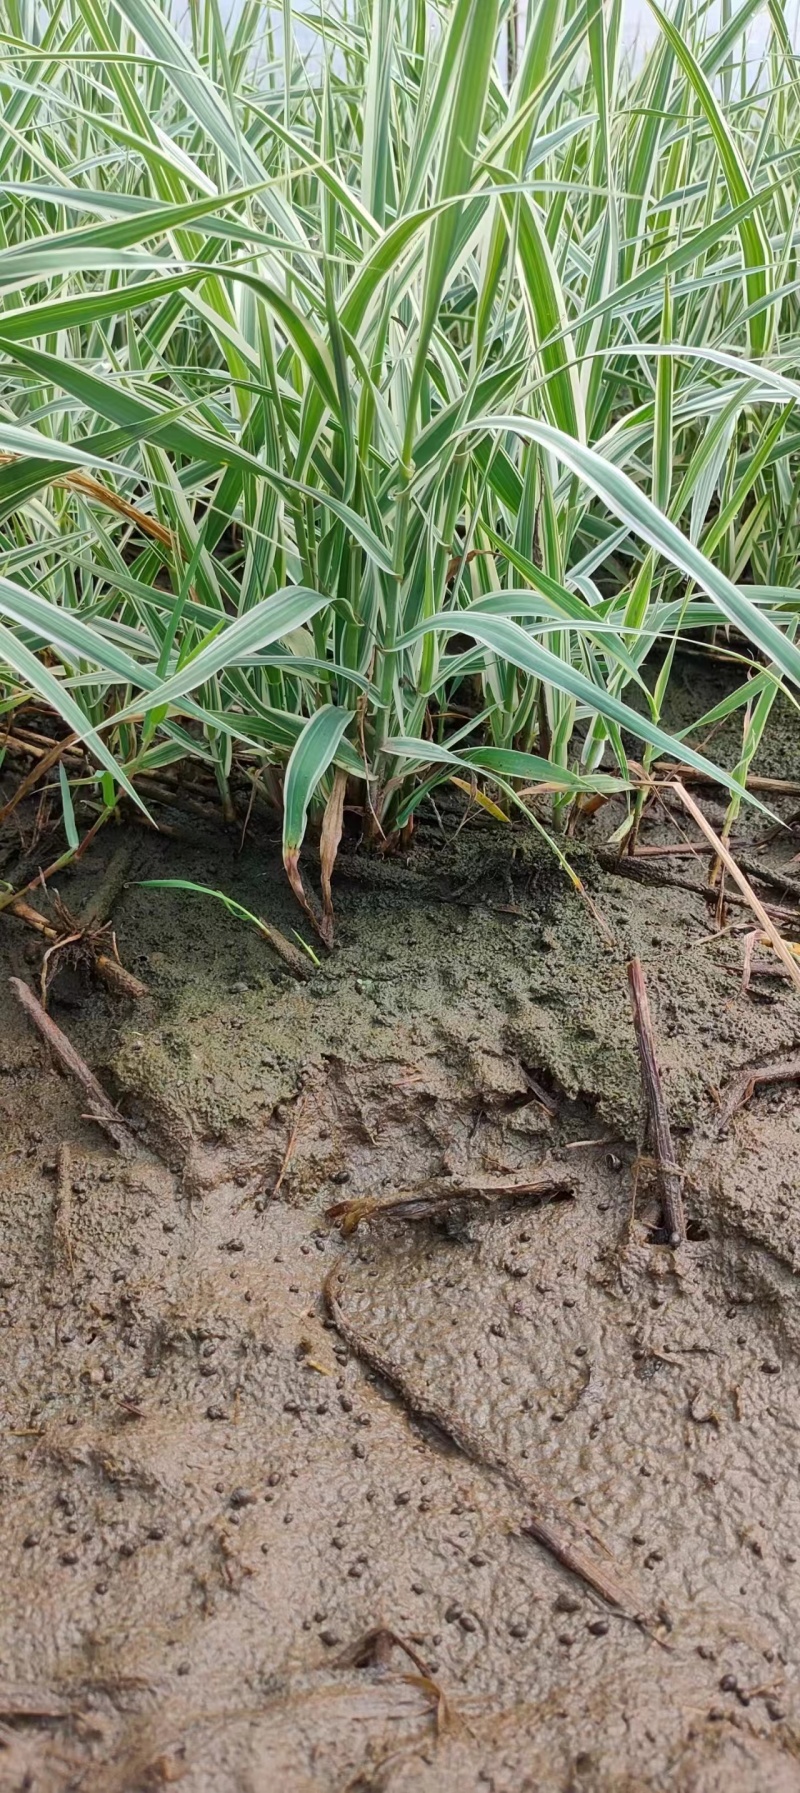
x,y
366,423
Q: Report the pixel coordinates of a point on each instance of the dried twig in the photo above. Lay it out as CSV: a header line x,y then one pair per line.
x,y
100,1109
739,878
109,888
670,1175
776,879
300,966
605,1579
40,879
641,868
744,1086
442,1194
754,781
290,1143
45,761
374,1649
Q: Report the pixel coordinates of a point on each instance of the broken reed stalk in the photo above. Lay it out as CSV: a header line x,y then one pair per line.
x,y
745,1085
109,888
775,939
100,1110
440,1195
670,1176
294,960
605,1579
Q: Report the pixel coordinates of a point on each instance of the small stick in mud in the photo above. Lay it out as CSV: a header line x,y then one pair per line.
x,y
100,1109
291,1143
744,1086
641,868
373,1650
604,1579
670,1175
440,1195
109,889
62,1215
726,858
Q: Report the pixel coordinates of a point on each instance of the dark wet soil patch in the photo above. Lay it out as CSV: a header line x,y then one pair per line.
x,y
207,1495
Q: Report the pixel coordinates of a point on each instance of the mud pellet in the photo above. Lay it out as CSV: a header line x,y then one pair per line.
x,y
156,1533
329,1637
775,1709
359,1449
567,1602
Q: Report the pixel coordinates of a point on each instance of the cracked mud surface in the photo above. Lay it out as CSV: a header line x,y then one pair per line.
x,y
207,1496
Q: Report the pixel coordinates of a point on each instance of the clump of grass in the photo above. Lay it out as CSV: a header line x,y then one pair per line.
x,y
365,425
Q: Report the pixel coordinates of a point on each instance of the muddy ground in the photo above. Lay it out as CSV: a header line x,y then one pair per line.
x,y
208,1496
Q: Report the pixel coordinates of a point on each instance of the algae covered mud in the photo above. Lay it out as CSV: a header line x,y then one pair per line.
x,y
228,1512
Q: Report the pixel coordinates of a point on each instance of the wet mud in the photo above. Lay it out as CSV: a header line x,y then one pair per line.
x,y
210,1492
